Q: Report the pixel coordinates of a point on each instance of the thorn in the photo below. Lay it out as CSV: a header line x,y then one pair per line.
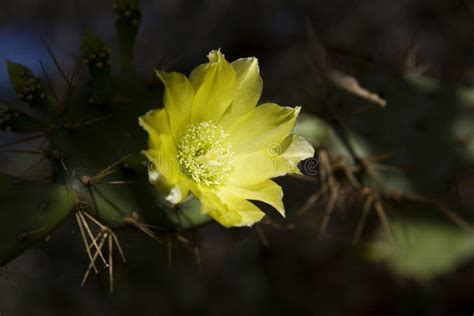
x,y
381,157
117,243
91,121
84,239
352,179
17,151
181,238
91,236
70,86
116,182
87,181
22,235
304,178
261,235
386,167
350,84
326,168
101,244
28,169
64,166
383,217
363,218
134,221
328,211
361,109
43,144
4,273
24,140
197,255
313,199
109,169
55,61
455,218
111,265
48,80
94,220
170,252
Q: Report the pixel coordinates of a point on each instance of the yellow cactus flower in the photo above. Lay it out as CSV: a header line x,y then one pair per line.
x,y
211,139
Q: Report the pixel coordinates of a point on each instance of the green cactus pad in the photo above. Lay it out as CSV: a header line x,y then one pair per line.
x,y
13,120
30,212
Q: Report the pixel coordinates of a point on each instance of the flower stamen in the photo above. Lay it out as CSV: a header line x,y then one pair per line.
x,y
204,155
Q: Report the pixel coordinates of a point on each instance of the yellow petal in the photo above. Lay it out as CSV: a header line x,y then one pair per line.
x,y
254,167
162,155
229,211
266,191
296,148
155,122
265,127
178,99
214,86
164,170
215,208
248,90
249,213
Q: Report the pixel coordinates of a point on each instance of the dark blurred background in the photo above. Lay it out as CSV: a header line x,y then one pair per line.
x,y
280,267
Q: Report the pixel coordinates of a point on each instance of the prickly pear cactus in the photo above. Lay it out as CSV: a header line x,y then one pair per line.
x,y
31,211
402,156
392,156
92,141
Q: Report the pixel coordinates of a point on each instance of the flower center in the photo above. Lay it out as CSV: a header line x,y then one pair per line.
x,y
204,155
